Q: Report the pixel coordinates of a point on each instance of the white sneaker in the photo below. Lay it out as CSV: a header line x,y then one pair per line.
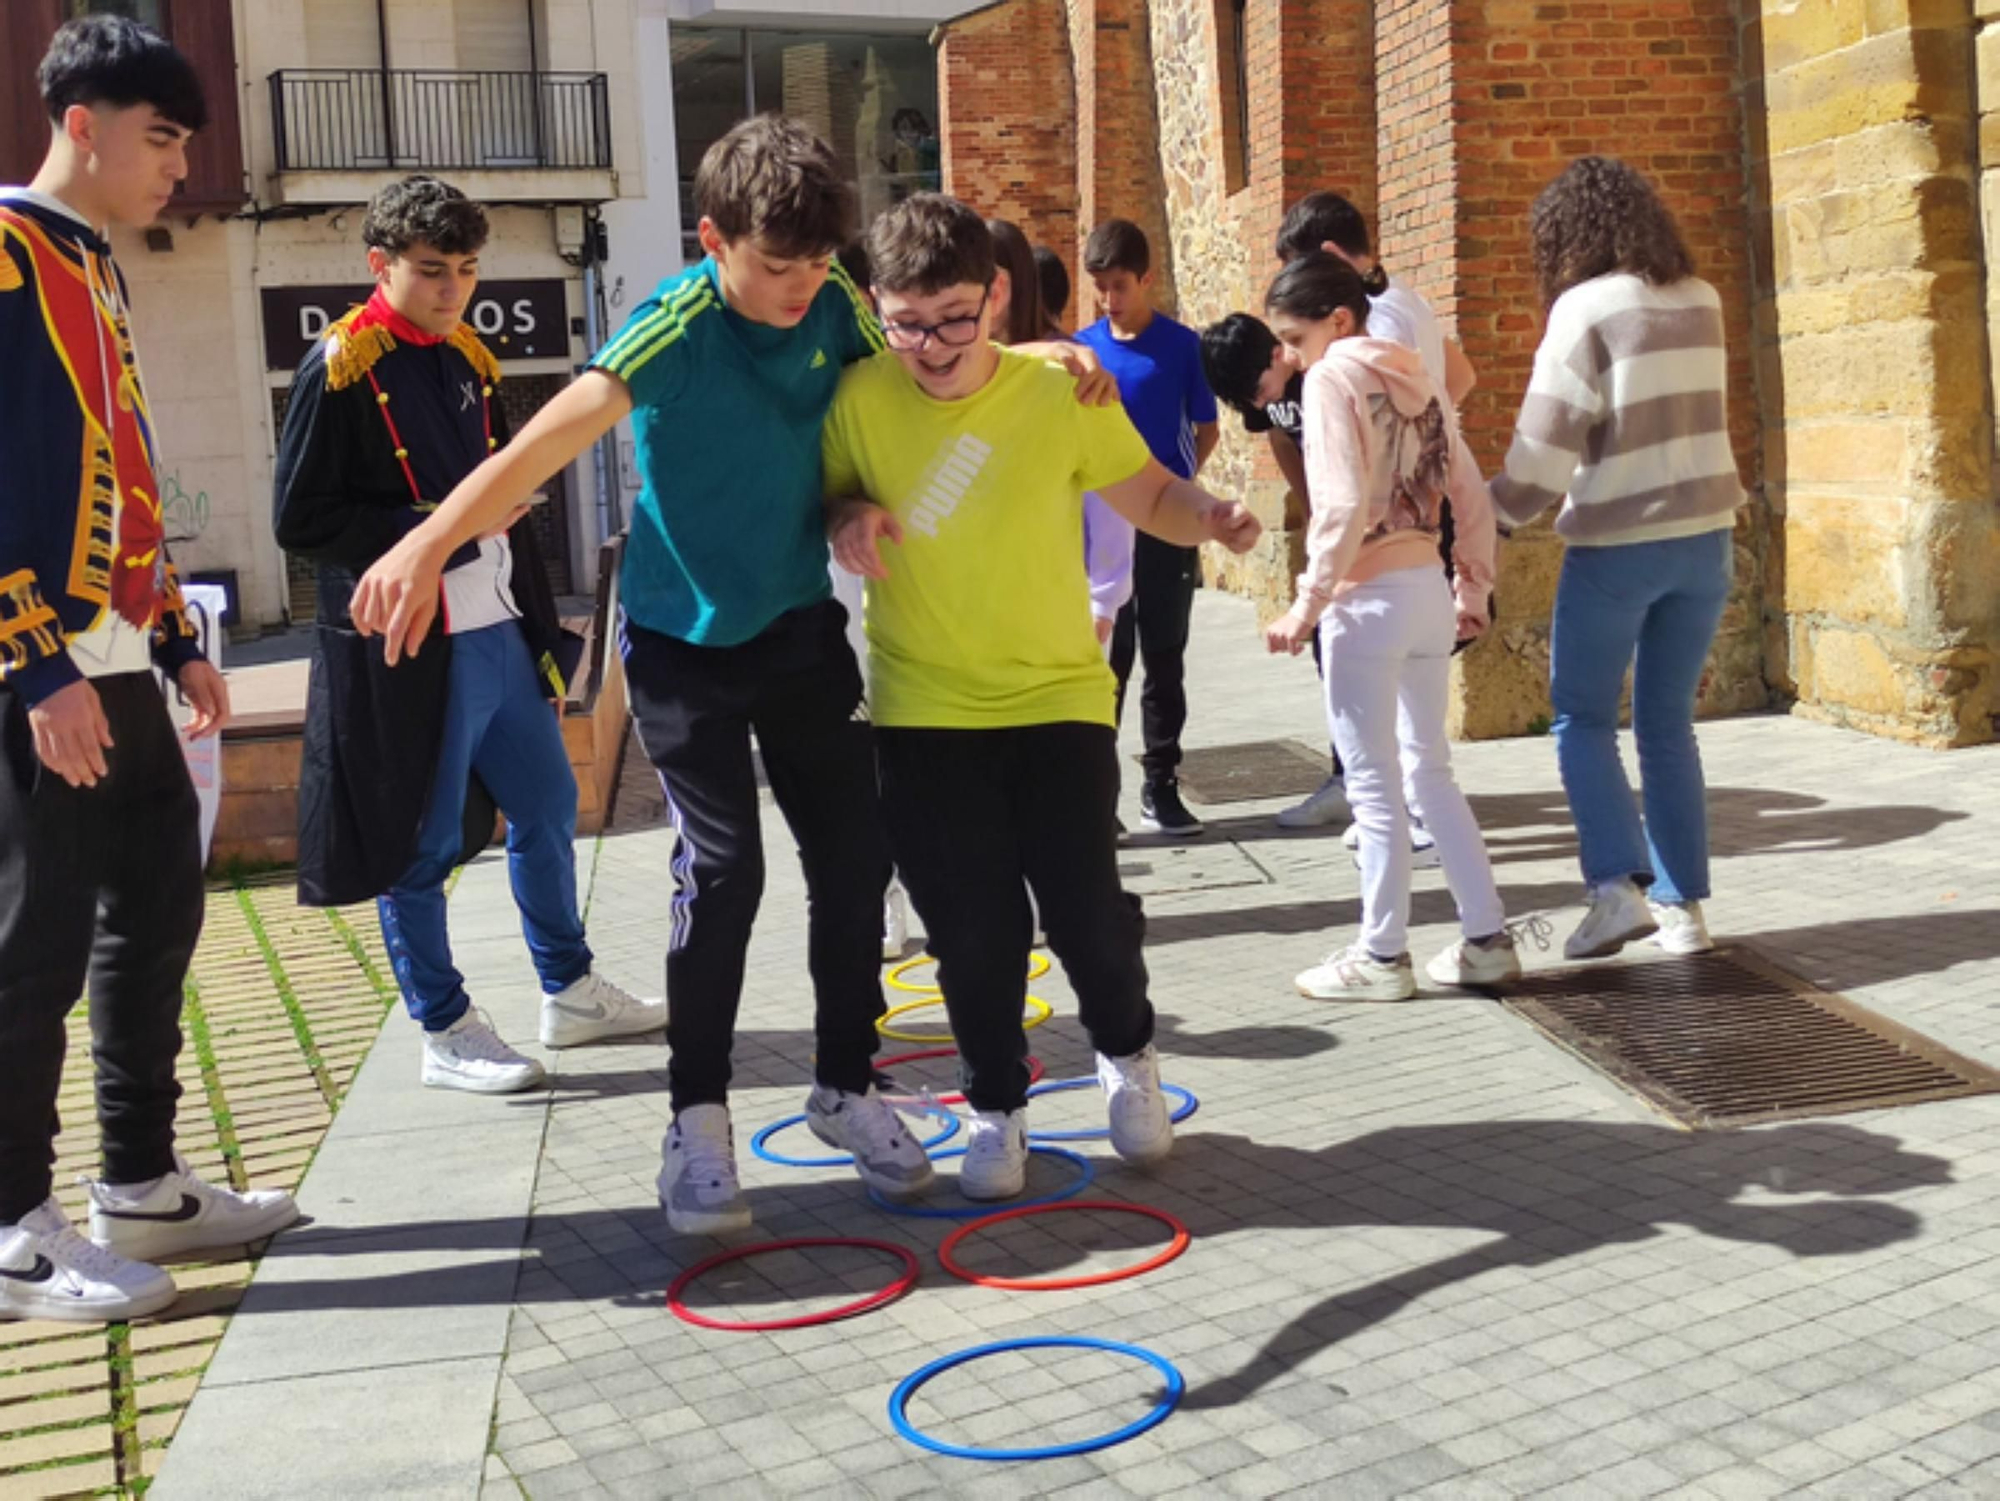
x,y
1617,916
1354,974
698,1185
180,1213
1328,805
1423,848
1481,964
1141,1130
895,922
868,1128
48,1271
469,1055
1477,964
593,1009
995,1165
1682,928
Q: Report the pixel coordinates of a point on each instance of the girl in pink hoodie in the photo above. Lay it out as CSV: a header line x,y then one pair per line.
x,y
1382,453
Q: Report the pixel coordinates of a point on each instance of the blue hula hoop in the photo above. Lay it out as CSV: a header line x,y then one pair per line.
x,y
1187,1107
841,1159
973,1211
899,1401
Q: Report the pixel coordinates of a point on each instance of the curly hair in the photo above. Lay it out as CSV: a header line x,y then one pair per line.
x,y
424,210
1602,216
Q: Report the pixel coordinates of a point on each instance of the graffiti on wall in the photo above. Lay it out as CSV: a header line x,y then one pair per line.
x,y
184,515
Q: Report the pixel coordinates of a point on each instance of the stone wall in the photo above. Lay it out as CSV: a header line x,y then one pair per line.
x,y
1824,160
1873,361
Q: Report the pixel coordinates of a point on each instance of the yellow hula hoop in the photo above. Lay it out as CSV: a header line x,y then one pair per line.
x,y
1038,965
1039,1011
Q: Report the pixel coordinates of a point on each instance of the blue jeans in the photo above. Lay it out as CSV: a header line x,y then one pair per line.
x,y
496,723
1664,601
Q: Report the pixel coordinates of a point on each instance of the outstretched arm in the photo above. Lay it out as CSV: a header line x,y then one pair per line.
x,y
1179,511
398,596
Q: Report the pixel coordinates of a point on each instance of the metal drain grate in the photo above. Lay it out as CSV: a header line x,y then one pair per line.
x,y
1729,1039
1260,768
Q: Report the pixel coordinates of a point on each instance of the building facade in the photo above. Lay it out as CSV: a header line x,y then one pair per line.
x,y
861,72
529,106
1827,160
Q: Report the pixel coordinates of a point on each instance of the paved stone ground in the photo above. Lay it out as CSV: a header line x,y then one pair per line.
x,y
1433,1255
283,1004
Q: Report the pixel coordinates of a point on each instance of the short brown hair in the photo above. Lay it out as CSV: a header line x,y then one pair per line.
x,y
929,242
773,180
1117,245
1602,216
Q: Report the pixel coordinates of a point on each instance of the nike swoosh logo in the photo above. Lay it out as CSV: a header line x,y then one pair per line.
x,y
595,1012
190,1206
41,1271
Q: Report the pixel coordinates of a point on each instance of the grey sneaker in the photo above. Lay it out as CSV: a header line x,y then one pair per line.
x,y
698,1187
867,1127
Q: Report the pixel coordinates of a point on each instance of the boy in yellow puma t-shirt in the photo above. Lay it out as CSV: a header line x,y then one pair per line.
x,y
992,702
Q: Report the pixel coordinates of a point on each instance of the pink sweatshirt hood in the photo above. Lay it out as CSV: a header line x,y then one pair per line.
x,y
1383,451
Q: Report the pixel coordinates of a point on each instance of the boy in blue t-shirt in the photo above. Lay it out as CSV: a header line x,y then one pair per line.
x,y
1158,365
727,373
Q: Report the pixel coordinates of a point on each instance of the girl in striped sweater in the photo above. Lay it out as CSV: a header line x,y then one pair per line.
x,y
1625,424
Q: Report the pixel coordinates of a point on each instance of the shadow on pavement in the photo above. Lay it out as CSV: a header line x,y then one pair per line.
x,y
1544,1191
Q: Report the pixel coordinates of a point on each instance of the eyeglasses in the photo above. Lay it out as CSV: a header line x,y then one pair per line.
x,y
954,333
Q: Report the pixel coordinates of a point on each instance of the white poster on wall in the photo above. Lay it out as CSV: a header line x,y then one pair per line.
x,y
205,604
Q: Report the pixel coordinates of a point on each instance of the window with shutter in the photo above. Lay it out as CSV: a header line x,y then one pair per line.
x,y
203,29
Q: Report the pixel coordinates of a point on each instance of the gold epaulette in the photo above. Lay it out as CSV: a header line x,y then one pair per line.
x,y
354,351
477,355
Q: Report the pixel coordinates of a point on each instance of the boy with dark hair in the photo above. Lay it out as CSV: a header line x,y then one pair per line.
x,y
727,372
993,706
1247,369
100,848
404,766
1158,365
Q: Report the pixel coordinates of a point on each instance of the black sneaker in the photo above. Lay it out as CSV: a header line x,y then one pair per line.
x,y
1161,809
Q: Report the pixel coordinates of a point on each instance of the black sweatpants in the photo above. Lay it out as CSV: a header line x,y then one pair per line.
x,y
971,814
98,885
1154,622
798,688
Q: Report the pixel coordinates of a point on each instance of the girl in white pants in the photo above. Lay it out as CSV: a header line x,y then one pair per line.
x,y
1382,454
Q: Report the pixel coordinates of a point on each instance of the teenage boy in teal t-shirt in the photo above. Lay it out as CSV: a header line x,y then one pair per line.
x,y
729,628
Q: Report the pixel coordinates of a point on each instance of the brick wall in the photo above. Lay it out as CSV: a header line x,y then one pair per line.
x,y
1007,98
1481,107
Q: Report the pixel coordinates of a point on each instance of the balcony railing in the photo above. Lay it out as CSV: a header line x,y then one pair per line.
x,y
358,119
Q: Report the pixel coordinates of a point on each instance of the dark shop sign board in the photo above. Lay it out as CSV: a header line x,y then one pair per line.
x,y
519,320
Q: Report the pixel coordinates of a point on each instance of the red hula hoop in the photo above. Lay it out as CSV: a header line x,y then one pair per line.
x,y
1062,1284
888,1294
1034,1068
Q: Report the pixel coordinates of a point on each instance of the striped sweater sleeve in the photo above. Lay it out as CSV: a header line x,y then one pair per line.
x,y
1564,402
